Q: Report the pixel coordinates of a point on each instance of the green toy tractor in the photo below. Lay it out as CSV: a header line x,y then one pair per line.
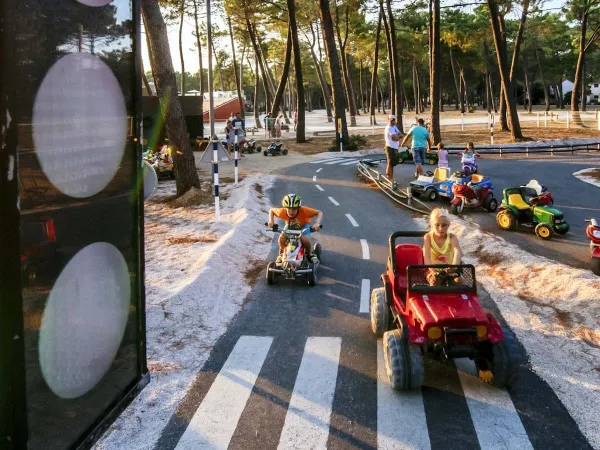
x,y
518,208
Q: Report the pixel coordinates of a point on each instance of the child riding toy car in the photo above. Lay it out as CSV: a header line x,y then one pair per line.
x,y
539,192
433,310
275,149
515,210
427,185
474,194
593,233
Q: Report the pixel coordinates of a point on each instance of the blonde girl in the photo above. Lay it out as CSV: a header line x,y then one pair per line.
x,y
440,246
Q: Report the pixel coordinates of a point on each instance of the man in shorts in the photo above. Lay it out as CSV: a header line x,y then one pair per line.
x,y
392,139
420,145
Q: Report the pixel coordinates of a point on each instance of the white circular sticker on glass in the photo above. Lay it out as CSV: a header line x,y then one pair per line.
x,y
84,320
79,125
95,2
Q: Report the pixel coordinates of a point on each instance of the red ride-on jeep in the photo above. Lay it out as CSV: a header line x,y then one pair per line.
x,y
433,310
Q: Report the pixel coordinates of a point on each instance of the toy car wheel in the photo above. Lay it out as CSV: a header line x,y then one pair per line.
x,y
403,362
544,231
506,220
266,153
270,275
596,266
456,209
499,370
432,194
312,276
550,202
490,204
380,312
259,148
284,151
562,231
317,250
432,162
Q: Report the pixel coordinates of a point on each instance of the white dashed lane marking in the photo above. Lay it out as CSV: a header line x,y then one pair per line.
x,y
332,200
352,221
365,249
319,187
365,290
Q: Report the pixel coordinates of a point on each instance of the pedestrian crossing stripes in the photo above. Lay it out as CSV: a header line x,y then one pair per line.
x,y
405,420
336,161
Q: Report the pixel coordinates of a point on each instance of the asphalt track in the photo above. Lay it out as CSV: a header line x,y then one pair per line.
x,y
300,368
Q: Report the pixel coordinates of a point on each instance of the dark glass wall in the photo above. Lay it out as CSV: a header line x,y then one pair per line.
x,y
72,286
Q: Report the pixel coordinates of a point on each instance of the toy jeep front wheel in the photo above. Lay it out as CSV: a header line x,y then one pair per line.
x,y
380,312
403,362
506,220
544,231
498,371
431,194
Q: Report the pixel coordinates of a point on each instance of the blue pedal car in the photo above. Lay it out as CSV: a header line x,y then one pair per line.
x,y
427,186
445,187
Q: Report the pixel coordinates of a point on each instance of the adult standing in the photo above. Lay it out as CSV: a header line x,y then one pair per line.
x,y
240,124
392,142
420,144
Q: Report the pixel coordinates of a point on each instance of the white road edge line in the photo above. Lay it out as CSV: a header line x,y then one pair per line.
x,y
319,169
307,419
365,290
319,187
493,413
332,200
401,419
365,249
216,418
352,221
314,178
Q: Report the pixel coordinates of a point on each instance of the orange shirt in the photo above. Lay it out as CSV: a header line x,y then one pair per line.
x,y
302,218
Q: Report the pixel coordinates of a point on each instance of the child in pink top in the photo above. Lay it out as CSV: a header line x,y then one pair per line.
x,y
442,156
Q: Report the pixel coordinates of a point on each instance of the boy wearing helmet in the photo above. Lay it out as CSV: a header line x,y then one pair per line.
x,y
296,217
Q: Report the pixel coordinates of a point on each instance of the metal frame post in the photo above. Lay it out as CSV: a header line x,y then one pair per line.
x,y
236,149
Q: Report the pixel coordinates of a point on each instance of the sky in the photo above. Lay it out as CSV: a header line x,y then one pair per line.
x,y
189,41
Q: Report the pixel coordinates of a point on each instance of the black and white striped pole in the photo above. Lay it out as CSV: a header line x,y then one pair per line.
x,y
492,129
211,111
236,148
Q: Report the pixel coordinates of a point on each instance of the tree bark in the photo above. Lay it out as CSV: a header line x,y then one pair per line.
x,y
528,106
544,87
166,89
435,77
238,82
256,81
374,73
388,40
452,64
284,76
398,81
504,125
583,89
181,48
300,108
504,71
321,76
269,94
351,100
145,79
221,83
416,87
200,69
334,67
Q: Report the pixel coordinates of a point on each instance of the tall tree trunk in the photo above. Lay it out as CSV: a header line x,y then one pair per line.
x,y
182,12
452,64
416,86
320,75
238,81
351,100
435,77
269,92
504,125
388,40
583,90
504,71
200,69
539,64
300,109
219,64
464,82
145,79
398,81
529,105
334,67
488,94
284,76
256,82
166,89
374,73
360,86
561,95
